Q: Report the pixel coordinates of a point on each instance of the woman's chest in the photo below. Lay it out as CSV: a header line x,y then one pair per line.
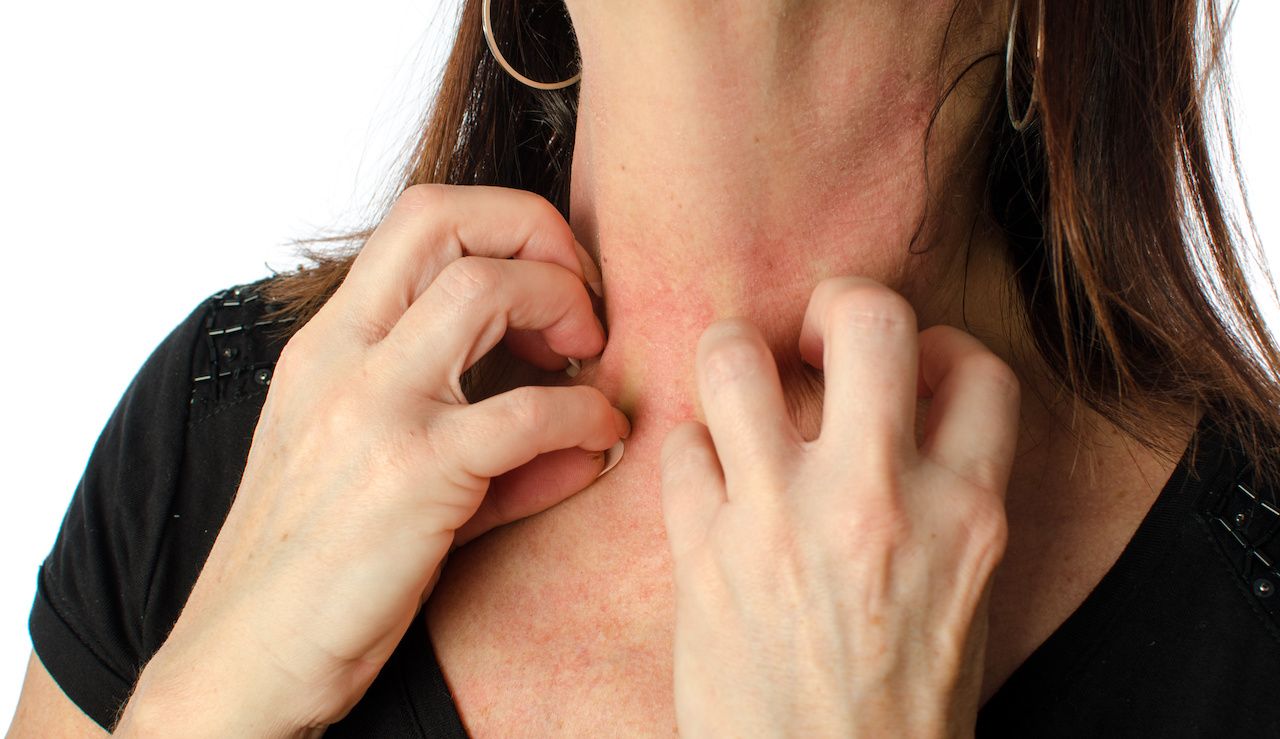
x,y
562,624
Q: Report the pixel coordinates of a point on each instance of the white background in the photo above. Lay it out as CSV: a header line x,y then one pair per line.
x,y
152,153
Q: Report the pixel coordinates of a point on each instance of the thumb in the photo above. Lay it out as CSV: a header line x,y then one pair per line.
x,y
535,486
693,487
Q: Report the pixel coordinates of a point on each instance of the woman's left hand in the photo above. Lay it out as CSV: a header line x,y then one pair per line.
x,y
839,586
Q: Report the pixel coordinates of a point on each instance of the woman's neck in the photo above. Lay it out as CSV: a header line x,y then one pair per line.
x,y
728,157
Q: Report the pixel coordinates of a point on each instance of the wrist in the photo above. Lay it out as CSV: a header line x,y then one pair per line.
x,y
206,698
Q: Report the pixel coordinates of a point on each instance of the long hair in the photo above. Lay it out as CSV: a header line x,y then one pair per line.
x,y
1114,202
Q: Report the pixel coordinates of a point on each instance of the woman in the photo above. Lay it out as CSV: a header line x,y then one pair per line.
x,y
923,270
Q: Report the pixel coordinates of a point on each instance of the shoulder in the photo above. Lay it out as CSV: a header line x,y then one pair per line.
x,y
229,369
154,492
1202,627
1180,638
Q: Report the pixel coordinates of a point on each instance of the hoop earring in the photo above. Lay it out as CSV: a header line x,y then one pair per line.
x,y
493,48
1020,124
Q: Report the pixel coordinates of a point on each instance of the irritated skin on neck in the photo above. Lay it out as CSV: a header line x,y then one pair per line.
x,y
729,156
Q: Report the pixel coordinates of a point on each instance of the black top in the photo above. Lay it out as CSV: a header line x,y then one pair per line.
x,y
1180,638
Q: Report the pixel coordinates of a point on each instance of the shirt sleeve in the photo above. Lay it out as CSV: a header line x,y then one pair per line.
x,y
86,621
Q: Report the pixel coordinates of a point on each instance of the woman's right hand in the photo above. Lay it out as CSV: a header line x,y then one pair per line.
x,y
368,464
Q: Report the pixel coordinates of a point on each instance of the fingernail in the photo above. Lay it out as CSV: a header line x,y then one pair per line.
x,y
611,458
574,367
589,269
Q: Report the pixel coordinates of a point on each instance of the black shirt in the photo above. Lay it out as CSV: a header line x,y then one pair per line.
x,y
1180,638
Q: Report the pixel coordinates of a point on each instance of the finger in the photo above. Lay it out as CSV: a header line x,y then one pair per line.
x,y
430,226
533,488
972,424
693,485
742,400
469,308
532,348
500,433
863,337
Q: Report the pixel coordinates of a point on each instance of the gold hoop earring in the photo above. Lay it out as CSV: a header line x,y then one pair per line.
x,y
493,48
1020,124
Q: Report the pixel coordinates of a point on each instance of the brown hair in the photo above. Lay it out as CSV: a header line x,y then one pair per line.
x,y
1110,201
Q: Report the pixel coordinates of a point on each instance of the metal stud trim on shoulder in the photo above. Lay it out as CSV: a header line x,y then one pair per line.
x,y
1244,519
233,358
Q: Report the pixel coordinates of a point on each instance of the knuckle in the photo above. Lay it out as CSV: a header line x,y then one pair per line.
x,y
871,305
729,352
538,217
680,457
986,525
591,397
421,196
597,409
305,354
543,212
990,521
469,279
679,448
994,371
987,474
883,521
528,410
880,521
370,329
540,206
295,353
